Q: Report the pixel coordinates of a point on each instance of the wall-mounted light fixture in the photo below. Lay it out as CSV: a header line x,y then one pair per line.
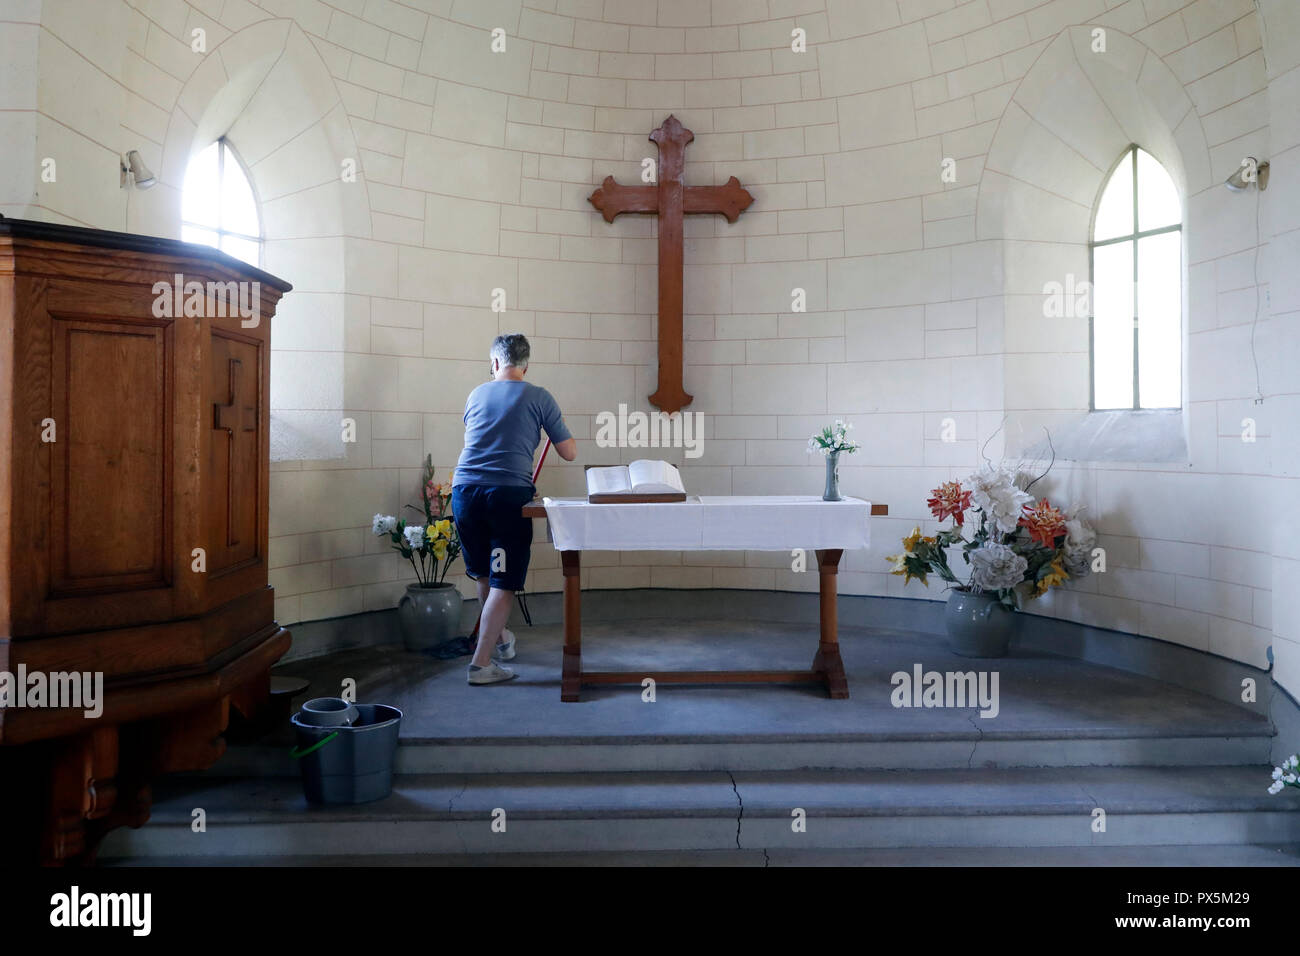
x,y
133,166
1251,172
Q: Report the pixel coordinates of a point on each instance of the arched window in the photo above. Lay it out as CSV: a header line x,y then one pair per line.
x,y
218,207
1137,313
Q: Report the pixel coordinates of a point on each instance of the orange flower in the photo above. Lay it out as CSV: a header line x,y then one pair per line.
x,y
1044,522
949,499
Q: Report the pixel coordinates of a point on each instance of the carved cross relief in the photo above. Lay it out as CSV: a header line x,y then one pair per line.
x,y
231,417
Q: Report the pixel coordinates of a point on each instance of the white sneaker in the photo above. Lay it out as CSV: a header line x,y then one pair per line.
x,y
505,650
493,673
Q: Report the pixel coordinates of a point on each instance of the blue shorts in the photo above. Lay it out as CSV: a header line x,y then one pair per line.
x,y
495,538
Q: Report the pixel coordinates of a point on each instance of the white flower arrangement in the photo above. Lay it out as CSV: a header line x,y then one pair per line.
x,y
994,491
1020,548
833,439
431,547
1285,775
995,566
1079,543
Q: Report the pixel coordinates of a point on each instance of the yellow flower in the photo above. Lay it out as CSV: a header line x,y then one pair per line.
x,y
1056,574
898,564
440,549
439,530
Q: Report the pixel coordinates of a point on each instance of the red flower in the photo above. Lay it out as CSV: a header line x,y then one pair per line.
x,y
1044,522
949,499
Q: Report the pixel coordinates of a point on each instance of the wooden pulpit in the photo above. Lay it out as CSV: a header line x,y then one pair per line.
x,y
134,466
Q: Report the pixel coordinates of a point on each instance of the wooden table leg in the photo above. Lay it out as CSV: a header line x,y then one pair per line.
x,y
571,672
827,660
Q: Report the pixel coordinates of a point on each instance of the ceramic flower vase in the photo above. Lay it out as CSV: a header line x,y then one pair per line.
x,y
832,492
429,616
979,625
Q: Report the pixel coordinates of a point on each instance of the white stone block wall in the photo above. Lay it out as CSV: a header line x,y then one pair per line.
x,y
923,296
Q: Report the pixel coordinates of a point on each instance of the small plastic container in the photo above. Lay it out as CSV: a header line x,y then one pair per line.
x,y
350,763
328,712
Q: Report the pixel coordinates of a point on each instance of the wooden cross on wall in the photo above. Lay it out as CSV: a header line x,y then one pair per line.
x,y
670,198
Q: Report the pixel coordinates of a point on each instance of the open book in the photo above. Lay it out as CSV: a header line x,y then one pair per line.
x,y
643,480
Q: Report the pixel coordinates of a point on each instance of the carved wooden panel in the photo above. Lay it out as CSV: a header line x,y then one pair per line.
x,y
111,457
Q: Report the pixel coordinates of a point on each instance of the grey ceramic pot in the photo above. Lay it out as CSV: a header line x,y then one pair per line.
x,y
979,625
429,615
832,491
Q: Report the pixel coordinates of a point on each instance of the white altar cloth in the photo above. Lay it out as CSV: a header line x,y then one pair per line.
x,y
710,523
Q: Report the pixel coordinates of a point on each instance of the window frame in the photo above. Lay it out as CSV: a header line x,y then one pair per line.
x,y
226,148
1130,154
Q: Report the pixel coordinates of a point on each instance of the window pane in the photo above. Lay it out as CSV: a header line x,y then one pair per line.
x,y
245,249
1112,326
1160,310
1158,204
194,234
201,194
1115,212
238,208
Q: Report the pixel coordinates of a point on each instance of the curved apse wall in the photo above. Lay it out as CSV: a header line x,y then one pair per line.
x,y
476,166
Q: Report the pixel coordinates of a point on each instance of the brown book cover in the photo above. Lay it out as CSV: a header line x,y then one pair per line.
x,y
629,497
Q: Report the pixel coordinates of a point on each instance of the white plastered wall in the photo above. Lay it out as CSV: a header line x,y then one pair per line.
x,y
1185,560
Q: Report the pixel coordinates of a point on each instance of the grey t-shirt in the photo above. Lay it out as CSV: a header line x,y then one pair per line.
x,y
503,424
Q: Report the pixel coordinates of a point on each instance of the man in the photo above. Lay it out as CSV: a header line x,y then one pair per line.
x,y
504,419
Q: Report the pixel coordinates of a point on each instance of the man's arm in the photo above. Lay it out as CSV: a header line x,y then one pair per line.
x,y
553,424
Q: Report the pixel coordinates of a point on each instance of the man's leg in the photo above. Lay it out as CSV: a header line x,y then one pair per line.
x,y
510,538
496,611
484,586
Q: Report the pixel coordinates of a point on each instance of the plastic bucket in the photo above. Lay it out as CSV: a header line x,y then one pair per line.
x,y
351,763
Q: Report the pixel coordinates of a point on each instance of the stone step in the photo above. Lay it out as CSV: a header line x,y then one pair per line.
x,y
1144,856
630,812
1050,711
1236,746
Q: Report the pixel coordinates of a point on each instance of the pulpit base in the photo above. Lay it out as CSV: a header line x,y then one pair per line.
x,y
89,783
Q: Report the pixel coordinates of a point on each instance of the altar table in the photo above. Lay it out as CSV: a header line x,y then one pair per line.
x,y
708,523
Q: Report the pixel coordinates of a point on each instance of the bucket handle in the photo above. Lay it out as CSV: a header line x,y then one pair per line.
x,y
295,753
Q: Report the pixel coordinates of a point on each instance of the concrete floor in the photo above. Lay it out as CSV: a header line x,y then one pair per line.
x,y
1040,696
706,774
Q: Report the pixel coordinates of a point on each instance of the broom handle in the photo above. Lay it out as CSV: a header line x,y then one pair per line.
x,y
537,471
541,461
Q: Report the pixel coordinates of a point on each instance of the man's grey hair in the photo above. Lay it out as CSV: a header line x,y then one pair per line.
x,y
512,349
